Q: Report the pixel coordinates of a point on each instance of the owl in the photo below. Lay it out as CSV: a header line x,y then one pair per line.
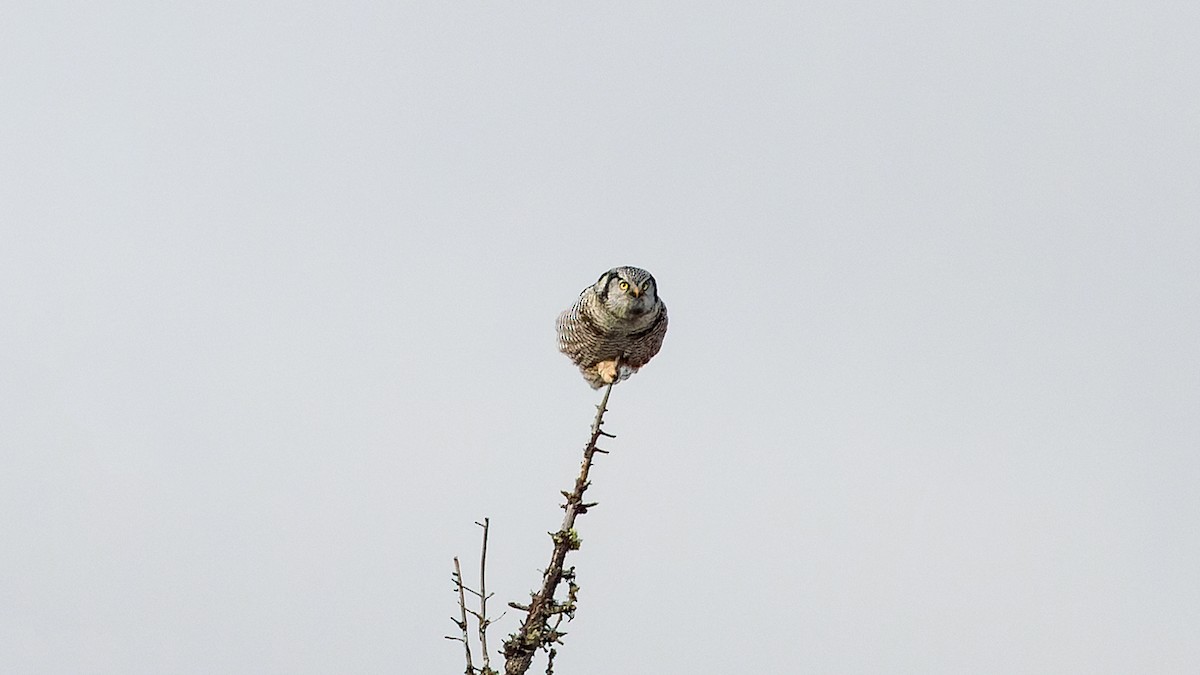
x,y
618,317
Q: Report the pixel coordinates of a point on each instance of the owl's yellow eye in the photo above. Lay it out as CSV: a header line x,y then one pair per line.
x,y
624,285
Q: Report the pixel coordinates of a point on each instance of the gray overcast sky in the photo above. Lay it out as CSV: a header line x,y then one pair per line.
x,y
278,284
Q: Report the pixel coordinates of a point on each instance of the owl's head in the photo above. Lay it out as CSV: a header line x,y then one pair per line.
x,y
627,292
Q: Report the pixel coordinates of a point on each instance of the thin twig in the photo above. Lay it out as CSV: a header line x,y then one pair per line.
x,y
483,598
535,632
462,624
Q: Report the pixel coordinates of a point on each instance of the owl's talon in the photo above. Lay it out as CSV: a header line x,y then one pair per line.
x,y
607,370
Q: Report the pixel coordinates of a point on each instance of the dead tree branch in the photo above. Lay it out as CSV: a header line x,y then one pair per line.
x,y
536,630
481,616
462,623
484,622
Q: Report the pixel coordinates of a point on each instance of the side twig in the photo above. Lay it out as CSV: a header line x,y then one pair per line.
x,y
484,622
536,631
462,623
481,617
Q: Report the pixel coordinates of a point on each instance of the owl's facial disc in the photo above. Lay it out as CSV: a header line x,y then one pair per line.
x,y
635,304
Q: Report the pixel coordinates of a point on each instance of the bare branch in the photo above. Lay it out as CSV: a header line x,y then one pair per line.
x,y
481,617
483,598
536,632
462,624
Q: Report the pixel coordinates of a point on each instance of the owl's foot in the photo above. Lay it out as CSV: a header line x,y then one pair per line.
x,y
607,370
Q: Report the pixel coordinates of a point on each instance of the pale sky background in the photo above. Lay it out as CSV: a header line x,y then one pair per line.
x,y
278,284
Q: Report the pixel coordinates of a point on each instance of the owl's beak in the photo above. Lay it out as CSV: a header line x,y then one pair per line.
x,y
637,292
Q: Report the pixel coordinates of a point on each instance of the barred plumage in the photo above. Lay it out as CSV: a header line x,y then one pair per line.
x,y
620,316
